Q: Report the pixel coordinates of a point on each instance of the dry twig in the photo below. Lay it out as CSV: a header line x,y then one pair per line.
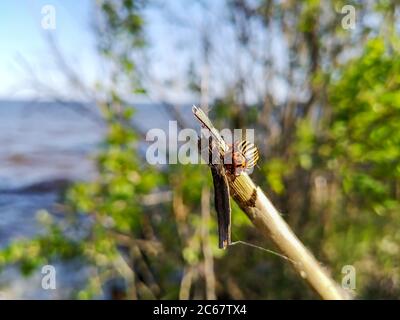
x,y
264,216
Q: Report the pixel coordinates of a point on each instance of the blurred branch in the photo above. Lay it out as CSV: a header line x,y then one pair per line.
x,y
45,85
186,283
206,245
156,198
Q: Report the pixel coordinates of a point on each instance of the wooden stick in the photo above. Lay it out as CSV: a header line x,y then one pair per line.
x,y
264,216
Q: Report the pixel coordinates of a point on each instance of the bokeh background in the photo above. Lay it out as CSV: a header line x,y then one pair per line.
x,y
82,83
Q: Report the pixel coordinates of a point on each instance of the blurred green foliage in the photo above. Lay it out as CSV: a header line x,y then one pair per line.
x,y
362,150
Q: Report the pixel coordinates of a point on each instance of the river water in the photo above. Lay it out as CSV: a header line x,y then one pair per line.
x,y
43,145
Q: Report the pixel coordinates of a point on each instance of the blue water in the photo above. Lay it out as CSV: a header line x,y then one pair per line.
x,y
42,142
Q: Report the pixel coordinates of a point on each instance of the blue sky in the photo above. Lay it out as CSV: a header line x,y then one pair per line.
x,y
173,32
25,54
23,43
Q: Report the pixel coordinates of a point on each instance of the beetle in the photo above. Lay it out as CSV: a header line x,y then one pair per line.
x,y
233,160
241,157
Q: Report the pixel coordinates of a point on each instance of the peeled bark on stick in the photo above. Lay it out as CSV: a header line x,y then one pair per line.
x,y
265,217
